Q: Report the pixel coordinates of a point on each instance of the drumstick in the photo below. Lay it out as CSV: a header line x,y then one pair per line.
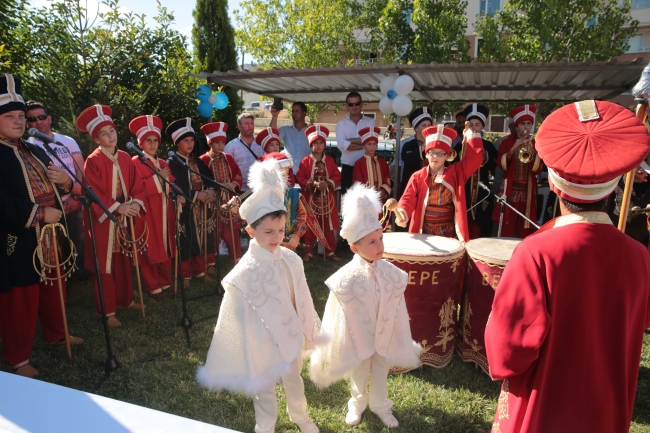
x,y
176,227
61,299
322,217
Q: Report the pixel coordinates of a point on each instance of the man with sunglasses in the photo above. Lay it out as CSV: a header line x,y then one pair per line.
x,y
348,139
38,117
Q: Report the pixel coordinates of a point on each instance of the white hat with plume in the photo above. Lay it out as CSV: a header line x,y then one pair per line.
x,y
268,183
360,209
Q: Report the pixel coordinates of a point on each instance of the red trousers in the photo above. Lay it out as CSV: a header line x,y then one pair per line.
x,y
310,239
230,237
195,266
19,310
117,286
515,227
156,276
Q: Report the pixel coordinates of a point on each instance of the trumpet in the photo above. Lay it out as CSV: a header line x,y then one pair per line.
x,y
524,155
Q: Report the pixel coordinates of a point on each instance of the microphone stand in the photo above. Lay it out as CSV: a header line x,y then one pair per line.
x,y
503,201
88,199
175,193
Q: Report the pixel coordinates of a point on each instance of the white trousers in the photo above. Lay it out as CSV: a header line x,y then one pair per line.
x,y
266,402
374,367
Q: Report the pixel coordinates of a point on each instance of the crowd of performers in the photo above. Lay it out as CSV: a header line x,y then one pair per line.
x,y
565,331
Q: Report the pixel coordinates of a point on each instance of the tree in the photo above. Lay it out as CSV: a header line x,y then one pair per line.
x,y
213,39
420,31
11,12
82,58
547,30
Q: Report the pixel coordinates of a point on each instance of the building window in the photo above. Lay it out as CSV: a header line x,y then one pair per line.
x,y
489,7
636,44
640,4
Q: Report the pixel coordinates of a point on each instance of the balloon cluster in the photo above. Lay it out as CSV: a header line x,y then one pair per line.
x,y
396,90
208,100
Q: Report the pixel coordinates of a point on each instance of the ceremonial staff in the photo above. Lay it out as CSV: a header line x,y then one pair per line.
x,y
641,92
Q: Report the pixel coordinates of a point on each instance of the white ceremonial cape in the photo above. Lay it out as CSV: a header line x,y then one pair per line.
x,y
259,332
353,330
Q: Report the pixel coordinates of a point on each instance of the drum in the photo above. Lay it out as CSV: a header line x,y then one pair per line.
x,y
434,266
487,258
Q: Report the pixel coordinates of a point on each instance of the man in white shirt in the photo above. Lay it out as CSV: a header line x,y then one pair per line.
x,y
296,144
38,117
243,149
348,140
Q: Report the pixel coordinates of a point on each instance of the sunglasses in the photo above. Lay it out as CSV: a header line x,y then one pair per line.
x,y
354,104
39,117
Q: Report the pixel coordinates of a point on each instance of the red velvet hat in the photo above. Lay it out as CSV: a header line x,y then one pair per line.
x,y
369,134
267,136
287,163
438,137
94,118
215,131
587,146
523,113
144,126
317,132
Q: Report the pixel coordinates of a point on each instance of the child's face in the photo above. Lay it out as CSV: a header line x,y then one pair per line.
x,y
107,137
269,233
273,146
317,147
186,145
217,146
370,247
150,145
371,148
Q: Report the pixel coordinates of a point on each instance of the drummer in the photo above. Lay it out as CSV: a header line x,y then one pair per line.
x,y
434,199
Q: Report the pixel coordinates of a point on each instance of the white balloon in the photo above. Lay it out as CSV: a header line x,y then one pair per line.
x,y
387,83
212,99
403,85
402,105
386,105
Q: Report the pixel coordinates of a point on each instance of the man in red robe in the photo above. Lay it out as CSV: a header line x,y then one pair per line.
x,y
520,177
156,264
370,169
318,177
116,182
226,172
434,199
568,318
31,187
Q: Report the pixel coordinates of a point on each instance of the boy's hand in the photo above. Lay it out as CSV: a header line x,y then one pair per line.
x,y
401,218
293,241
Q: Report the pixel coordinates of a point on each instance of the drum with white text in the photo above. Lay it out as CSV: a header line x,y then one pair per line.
x,y
486,260
434,266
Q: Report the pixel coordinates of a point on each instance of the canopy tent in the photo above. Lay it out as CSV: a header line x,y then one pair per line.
x,y
454,82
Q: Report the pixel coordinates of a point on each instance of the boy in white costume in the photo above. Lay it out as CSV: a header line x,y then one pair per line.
x,y
267,312
365,317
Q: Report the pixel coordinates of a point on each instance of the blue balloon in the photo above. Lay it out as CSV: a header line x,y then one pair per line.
x,y
203,93
205,109
222,101
391,94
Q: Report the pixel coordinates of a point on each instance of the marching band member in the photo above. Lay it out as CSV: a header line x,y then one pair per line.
x,y
114,178
191,220
479,217
318,176
568,318
434,199
520,177
269,140
412,150
370,169
159,221
225,171
31,190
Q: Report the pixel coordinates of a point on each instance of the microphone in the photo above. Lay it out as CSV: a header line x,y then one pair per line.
x,y
173,155
133,148
484,186
33,132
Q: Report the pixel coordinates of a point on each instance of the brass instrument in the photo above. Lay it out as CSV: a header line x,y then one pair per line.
x,y
524,155
452,155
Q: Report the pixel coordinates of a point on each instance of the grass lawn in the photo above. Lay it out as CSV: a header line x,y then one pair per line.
x,y
458,398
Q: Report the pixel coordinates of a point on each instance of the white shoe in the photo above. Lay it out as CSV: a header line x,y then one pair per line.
x,y
352,418
308,427
388,419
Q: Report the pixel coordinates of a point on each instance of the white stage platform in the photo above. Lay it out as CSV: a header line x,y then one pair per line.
x,y
28,405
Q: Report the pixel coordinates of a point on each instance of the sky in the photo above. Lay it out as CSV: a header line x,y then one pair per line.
x,y
182,10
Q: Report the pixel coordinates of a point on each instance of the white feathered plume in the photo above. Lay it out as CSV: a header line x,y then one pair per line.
x,y
360,209
268,183
266,174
